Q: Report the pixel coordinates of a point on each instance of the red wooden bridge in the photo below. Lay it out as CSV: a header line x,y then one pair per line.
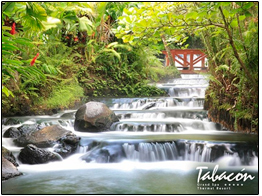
x,y
188,61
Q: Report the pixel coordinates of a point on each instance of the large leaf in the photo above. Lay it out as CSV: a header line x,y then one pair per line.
x,y
7,92
34,16
37,11
8,8
9,47
51,23
24,41
85,25
101,10
192,15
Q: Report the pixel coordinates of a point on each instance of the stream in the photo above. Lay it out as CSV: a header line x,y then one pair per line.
x,y
161,145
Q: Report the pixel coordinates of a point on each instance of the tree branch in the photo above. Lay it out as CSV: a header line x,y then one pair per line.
x,y
235,50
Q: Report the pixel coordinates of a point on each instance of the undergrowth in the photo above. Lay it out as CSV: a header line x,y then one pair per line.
x,y
62,96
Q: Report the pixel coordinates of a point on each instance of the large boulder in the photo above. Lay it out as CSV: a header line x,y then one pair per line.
x,y
46,137
33,155
12,132
94,117
9,165
8,169
9,156
28,128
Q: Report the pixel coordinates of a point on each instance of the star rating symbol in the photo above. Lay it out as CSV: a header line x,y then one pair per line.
x,y
233,185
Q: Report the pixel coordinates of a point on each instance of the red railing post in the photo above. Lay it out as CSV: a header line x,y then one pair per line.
x,y
183,64
191,61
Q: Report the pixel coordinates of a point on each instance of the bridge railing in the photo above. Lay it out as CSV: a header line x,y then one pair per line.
x,y
188,60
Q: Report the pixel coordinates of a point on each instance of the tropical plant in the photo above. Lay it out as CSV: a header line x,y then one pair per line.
x,y
230,33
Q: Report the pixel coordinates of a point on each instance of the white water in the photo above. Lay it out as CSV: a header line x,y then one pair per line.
x,y
157,135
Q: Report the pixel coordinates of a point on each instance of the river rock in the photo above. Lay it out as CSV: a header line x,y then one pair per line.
x,y
9,156
8,169
94,117
27,128
68,115
12,132
9,165
105,154
67,144
11,121
46,137
33,155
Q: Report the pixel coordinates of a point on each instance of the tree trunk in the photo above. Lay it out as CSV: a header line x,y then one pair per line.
x,y
169,55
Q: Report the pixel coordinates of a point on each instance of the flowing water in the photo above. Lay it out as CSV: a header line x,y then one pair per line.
x,y
161,145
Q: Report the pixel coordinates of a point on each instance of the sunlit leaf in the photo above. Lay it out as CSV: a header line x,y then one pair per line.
x,y
234,23
85,25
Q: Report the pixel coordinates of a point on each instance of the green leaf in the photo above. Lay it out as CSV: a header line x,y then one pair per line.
x,y
6,28
248,5
85,25
143,23
128,19
222,68
9,47
6,52
226,13
7,92
127,38
112,51
192,15
234,23
12,62
101,10
24,41
248,14
51,23
112,44
225,3
8,8
242,17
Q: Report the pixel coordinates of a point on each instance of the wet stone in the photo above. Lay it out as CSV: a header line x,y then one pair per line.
x,y
12,132
33,155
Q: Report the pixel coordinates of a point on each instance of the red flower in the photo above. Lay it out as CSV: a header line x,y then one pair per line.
x,y
13,29
76,39
67,37
33,61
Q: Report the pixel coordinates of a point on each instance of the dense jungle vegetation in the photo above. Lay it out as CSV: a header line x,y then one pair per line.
x,y
57,53
229,31
54,53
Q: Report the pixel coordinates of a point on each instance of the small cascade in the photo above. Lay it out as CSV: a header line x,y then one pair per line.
x,y
143,104
150,152
149,127
187,91
82,149
233,154
189,85
189,81
170,114
192,76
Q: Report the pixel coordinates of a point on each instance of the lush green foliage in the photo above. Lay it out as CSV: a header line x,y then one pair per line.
x,y
57,46
63,95
229,31
77,46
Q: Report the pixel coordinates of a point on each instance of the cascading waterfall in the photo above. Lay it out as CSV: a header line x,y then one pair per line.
x,y
162,132
179,150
